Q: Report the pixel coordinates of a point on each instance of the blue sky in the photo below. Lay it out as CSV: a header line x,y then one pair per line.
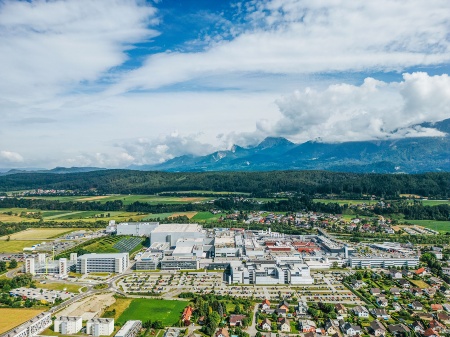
x,y
115,83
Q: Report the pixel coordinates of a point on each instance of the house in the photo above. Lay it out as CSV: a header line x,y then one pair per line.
x,y
236,320
444,318
396,306
424,316
350,329
307,326
395,274
446,306
356,284
311,334
302,308
266,324
280,312
330,328
437,307
395,291
380,313
187,314
377,328
435,281
418,327
404,283
421,271
416,291
283,325
284,305
382,302
375,291
340,309
265,304
436,325
430,333
361,311
416,305
222,332
398,329
430,292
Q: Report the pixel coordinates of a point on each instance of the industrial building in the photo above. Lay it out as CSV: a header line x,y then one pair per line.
x,y
136,228
382,261
103,263
148,261
130,329
171,233
179,263
68,325
100,326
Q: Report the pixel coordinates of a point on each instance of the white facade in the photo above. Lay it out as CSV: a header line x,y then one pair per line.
x,y
31,328
171,233
67,325
100,326
383,261
108,263
136,228
62,267
29,266
130,329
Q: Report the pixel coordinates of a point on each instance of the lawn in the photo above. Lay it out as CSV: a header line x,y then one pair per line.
x,y
169,312
16,246
71,288
39,233
419,283
12,317
205,216
440,226
156,216
435,202
116,310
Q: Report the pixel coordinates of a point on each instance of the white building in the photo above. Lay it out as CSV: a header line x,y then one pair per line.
x,y
29,266
100,326
130,329
48,267
171,233
383,261
136,228
32,327
107,263
67,325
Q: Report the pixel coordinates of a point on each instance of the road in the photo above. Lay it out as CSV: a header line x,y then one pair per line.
x,y
251,330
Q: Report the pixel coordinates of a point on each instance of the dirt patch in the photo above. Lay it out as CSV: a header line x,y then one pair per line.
x,y
99,197
90,307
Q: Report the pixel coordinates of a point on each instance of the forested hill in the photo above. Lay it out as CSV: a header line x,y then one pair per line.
x,y
137,182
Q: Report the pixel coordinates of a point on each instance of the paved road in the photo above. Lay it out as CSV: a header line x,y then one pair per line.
x,y
251,330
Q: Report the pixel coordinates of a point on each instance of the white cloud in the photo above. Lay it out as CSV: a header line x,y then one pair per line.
x,y
10,157
310,36
373,110
49,47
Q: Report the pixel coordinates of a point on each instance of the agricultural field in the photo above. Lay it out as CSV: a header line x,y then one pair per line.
x,y
12,317
16,246
348,202
440,226
206,216
169,312
435,202
39,233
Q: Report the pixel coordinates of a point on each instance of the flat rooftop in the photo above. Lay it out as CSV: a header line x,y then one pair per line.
x,y
184,228
103,256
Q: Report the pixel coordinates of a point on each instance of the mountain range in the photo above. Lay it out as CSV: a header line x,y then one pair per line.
x,y
405,155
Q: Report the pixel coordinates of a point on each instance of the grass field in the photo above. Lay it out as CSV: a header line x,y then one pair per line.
x,y
348,202
205,216
435,202
11,317
440,226
39,233
118,308
16,246
169,312
419,283
71,288
106,245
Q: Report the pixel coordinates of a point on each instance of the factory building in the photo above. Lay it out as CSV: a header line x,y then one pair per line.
x,y
148,261
103,263
171,233
130,329
179,263
136,228
100,326
68,325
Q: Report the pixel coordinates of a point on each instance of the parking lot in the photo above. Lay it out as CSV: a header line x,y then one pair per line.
x,y
326,288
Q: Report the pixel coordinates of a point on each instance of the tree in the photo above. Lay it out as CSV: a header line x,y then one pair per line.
x,y
2,266
12,264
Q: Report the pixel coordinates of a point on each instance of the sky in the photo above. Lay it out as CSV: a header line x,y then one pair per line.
x,y
115,83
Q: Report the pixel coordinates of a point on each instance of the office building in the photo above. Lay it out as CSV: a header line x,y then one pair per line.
x,y
102,263
179,263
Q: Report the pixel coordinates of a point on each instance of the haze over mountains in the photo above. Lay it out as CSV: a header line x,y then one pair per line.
x,y
406,155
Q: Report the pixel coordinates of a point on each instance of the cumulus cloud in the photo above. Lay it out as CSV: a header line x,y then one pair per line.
x,y
164,147
309,36
49,47
372,110
10,157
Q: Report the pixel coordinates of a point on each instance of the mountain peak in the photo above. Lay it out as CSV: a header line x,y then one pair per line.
x,y
270,142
